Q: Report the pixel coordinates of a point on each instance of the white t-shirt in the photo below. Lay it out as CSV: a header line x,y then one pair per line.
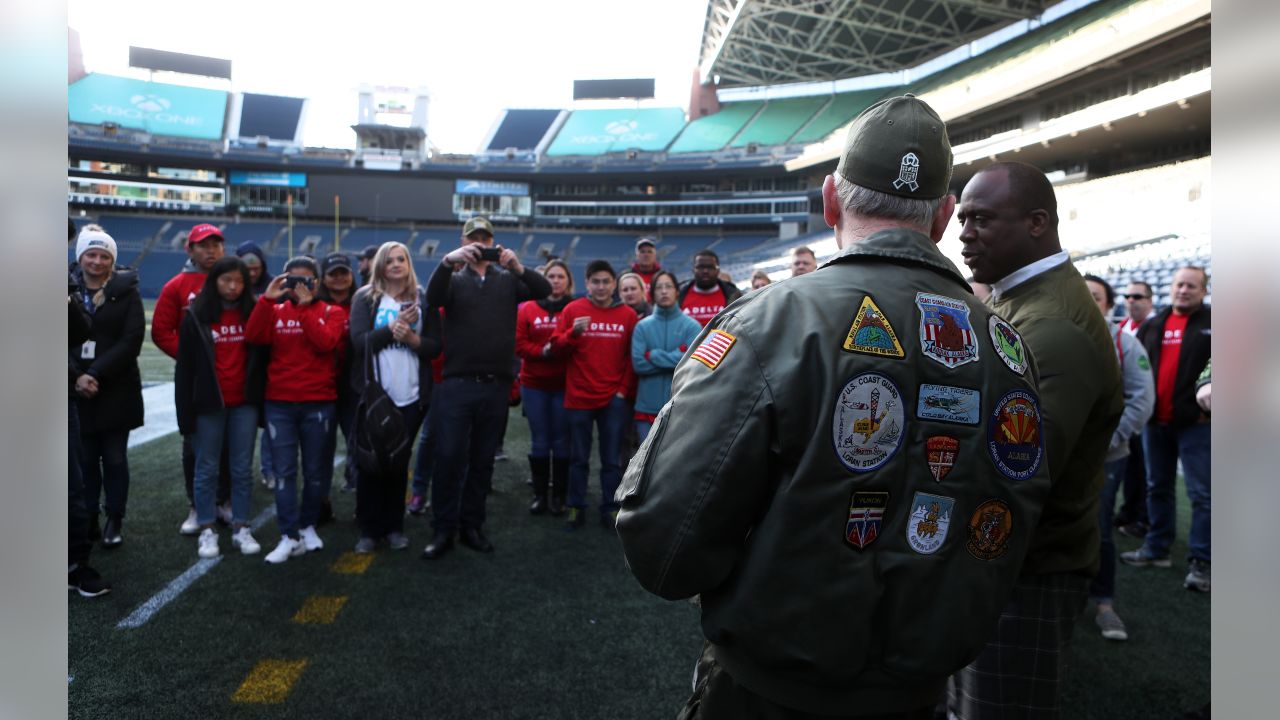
x,y
397,362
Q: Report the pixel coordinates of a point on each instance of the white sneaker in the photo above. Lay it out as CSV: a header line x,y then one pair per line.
x,y
208,544
190,526
310,539
223,513
243,539
287,548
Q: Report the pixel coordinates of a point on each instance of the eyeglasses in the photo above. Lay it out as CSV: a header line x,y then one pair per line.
x,y
1136,297
705,267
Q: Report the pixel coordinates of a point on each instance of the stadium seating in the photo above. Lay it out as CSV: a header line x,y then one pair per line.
x,y
713,132
779,120
842,108
522,129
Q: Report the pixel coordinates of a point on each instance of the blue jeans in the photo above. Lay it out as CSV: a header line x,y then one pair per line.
x,y
237,426
1103,588
104,463
424,465
308,425
611,421
264,458
548,423
1164,445
642,430
467,419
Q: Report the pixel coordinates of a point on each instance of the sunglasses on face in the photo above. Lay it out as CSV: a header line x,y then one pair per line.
x,y
1136,297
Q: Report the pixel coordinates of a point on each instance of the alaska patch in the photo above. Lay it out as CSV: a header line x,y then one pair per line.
x,y
990,528
871,332
1008,345
1014,435
928,523
940,452
866,512
867,424
949,404
714,348
946,335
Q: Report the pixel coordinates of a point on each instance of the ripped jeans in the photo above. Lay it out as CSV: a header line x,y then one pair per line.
x,y
290,425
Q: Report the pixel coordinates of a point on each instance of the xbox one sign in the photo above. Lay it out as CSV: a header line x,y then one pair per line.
x,y
157,108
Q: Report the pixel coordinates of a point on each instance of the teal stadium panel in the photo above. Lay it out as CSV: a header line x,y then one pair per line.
x,y
157,108
710,133
596,132
843,108
779,120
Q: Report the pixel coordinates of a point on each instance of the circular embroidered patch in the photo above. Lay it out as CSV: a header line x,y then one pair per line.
x,y
868,422
1013,435
1008,344
990,528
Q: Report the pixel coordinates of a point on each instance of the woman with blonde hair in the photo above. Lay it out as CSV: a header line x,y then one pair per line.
x,y
759,279
392,323
631,289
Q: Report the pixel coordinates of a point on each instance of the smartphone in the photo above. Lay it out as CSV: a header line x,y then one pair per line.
x,y
404,306
492,254
292,281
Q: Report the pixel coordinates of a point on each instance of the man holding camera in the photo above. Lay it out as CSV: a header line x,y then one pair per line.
x,y
479,286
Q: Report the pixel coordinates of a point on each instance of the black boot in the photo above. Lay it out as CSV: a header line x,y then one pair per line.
x,y
559,485
540,468
111,531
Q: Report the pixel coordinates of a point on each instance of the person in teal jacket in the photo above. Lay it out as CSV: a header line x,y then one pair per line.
x,y
659,341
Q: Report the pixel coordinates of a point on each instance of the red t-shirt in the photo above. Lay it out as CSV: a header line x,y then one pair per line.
x,y
1167,373
230,356
534,328
702,305
599,360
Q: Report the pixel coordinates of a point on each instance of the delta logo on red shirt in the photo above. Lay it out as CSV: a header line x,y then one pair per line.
x,y
544,320
1172,337
703,313
288,327
228,333
605,330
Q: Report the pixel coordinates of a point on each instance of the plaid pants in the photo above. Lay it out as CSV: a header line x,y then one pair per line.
x,y
1019,673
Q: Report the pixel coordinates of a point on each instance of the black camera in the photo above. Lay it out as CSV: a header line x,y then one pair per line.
x,y
292,281
492,254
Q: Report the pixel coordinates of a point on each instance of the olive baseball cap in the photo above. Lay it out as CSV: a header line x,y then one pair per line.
x,y
477,224
898,146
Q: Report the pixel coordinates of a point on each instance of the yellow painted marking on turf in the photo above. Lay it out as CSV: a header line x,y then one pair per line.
x,y
349,563
269,682
320,610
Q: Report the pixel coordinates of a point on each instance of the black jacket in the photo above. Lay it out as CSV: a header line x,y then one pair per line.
x,y
1197,348
480,317
195,379
116,330
363,335
731,292
77,333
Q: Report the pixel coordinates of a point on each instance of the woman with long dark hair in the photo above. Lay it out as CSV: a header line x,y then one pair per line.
x,y
391,321
304,334
108,386
542,389
218,386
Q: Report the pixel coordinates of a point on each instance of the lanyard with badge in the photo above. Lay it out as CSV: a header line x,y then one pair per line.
x,y
88,351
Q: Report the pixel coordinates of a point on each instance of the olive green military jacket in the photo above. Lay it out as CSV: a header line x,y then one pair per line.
x,y
848,473
1082,396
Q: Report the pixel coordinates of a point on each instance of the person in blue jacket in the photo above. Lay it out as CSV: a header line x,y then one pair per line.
x,y
658,343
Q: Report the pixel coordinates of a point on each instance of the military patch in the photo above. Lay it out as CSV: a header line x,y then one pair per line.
x,y
867,425
990,528
871,332
866,512
1013,435
949,404
927,525
1008,344
940,452
1145,364
946,335
713,348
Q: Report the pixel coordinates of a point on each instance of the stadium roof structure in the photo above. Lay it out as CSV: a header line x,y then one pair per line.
x,y
772,42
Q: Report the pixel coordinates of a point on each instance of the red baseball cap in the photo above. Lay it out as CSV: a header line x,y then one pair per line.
x,y
202,232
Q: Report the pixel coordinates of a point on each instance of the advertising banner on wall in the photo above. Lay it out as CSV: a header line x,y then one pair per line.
x,y
157,108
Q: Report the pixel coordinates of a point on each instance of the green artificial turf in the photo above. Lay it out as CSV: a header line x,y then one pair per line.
x,y
549,626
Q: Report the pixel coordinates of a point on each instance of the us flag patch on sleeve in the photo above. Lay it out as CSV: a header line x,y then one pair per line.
x,y
713,349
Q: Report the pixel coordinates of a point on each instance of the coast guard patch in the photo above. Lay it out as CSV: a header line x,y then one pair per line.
x,y
866,512
990,528
928,523
940,452
1008,344
1013,435
871,332
949,404
946,335
714,347
868,422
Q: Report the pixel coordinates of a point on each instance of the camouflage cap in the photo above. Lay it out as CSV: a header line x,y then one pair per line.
x,y
477,224
898,146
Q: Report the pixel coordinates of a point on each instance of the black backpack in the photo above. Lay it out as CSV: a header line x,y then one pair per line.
x,y
382,441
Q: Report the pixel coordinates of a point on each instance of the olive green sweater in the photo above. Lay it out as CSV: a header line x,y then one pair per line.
x,y
1082,398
